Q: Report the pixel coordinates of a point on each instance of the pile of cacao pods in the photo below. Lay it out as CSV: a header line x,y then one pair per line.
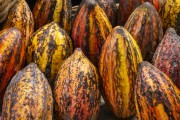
x,y
57,66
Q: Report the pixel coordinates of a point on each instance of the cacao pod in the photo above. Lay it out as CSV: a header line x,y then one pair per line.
x,y
167,56
47,11
118,64
20,16
28,96
12,57
145,26
126,7
76,89
156,97
170,14
90,29
48,48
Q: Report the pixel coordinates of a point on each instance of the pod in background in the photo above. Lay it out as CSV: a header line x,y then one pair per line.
x,y
167,56
170,14
76,90
48,48
156,97
47,11
126,7
20,16
109,7
90,29
12,57
28,96
144,24
118,64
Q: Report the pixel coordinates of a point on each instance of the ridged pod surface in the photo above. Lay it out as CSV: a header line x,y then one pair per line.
x,y
126,7
12,57
145,26
47,11
20,16
76,92
109,7
167,56
90,29
170,14
156,97
118,64
49,46
28,96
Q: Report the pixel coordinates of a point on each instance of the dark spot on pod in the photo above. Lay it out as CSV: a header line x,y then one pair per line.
x,y
52,43
48,69
120,30
69,103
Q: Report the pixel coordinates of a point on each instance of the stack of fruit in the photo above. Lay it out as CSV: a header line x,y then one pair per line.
x,y
55,66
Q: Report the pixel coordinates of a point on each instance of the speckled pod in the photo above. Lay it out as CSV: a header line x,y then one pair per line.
x,y
12,57
167,56
76,89
126,7
170,14
28,96
145,26
109,7
90,29
48,48
21,17
118,64
47,11
156,97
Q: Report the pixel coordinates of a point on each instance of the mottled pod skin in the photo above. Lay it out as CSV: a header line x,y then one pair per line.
x,y
109,7
126,7
20,16
170,14
90,29
118,64
12,57
47,11
145,26
156,97
28,96
167,56
76,92
49,46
